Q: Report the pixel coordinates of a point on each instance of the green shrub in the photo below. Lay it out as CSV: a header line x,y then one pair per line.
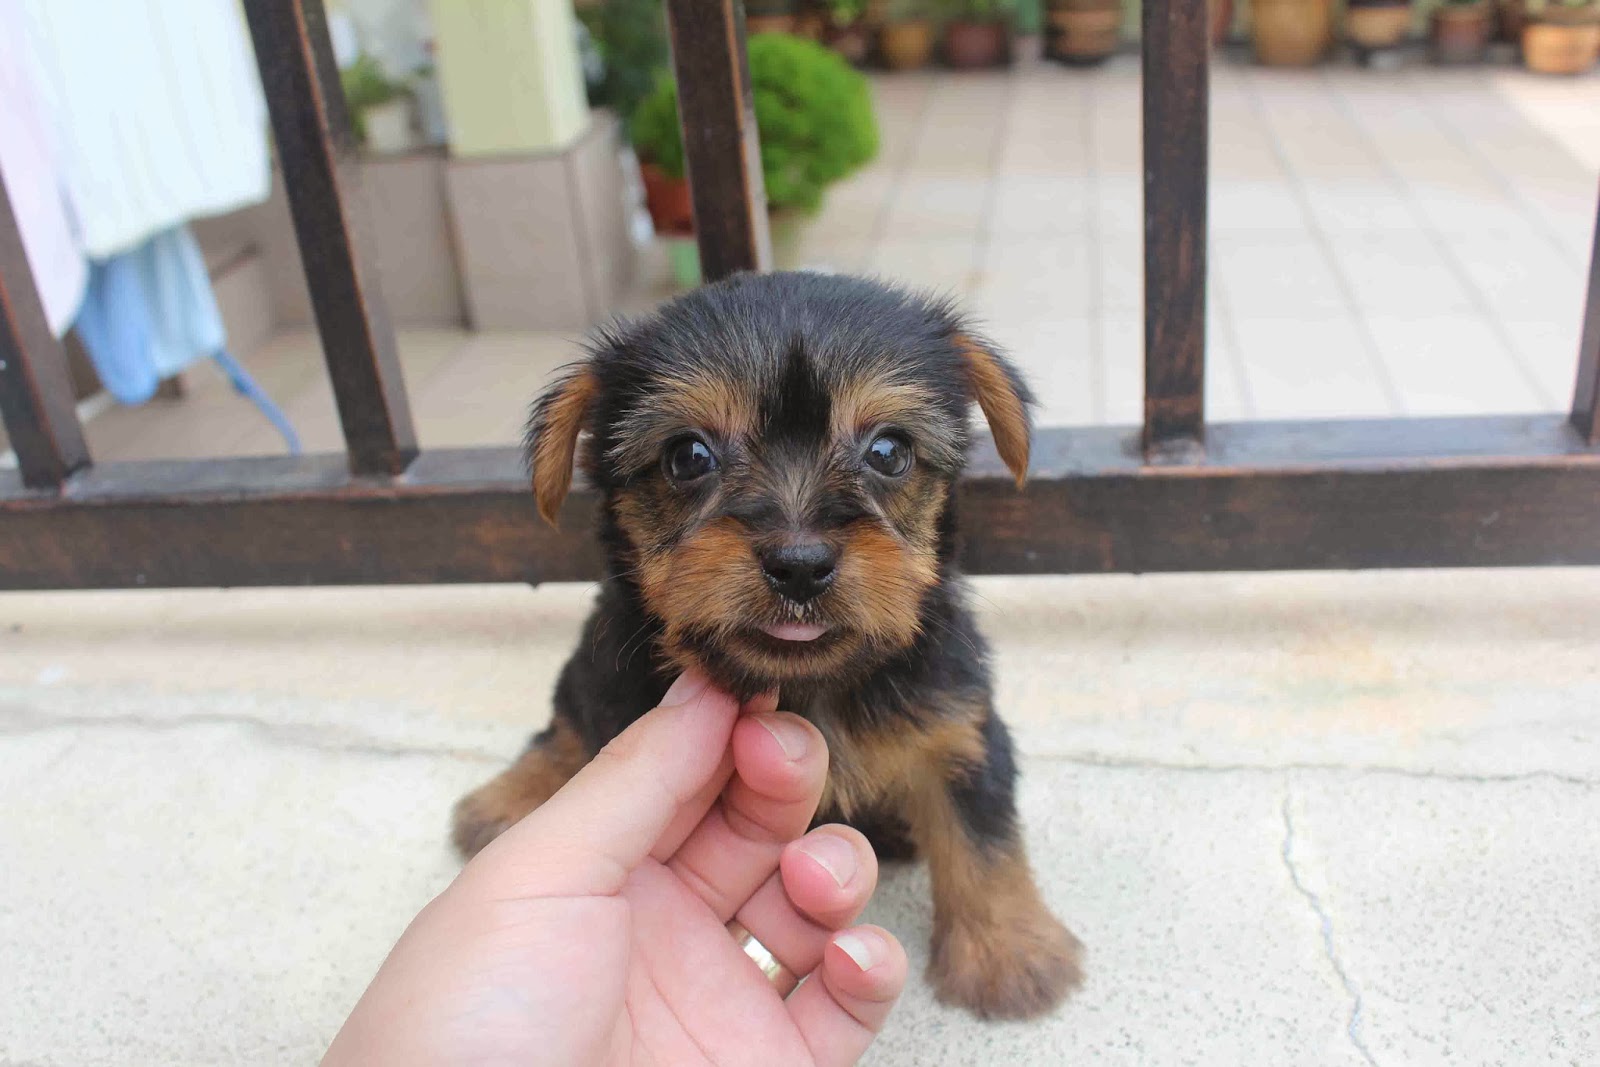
x,y
631,36
813,111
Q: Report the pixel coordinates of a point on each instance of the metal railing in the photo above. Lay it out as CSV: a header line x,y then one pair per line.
x,y
1175,494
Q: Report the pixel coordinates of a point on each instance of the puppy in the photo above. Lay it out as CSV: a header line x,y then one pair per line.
x,y
777,457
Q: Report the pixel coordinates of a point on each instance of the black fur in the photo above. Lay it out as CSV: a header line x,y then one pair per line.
x,y
800,333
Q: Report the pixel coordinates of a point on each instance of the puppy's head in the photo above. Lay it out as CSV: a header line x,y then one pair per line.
x,y
776,455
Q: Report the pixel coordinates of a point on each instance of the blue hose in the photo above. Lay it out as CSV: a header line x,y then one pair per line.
x,y
247,387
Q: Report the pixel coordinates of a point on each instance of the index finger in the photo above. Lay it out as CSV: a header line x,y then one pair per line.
x,y
599,826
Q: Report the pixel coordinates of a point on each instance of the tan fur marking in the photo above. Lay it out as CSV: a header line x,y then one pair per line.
x,y
702,579
716,404
997,950
504,800
885,580
1008,419
862,405
873,768
723,408
560,423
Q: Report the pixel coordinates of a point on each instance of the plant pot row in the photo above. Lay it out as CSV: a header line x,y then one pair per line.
x,y
1557,36
903,43
1087,32
907,44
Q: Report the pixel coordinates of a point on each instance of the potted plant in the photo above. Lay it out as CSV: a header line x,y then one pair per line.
x,y
906,40
1511,17
1221,12
846,30
631,39
770,16
1082,33
1376,24
1291,33
813,113
978,34
380,110
1459,30
1562,36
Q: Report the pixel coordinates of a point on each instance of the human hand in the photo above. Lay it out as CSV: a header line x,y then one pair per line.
x,y
594,931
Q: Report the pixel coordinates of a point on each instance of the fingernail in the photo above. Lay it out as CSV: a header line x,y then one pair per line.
x,y
688,686
793,738
864,948
833,853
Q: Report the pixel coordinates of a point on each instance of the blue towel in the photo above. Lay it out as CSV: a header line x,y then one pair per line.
x,y
148,313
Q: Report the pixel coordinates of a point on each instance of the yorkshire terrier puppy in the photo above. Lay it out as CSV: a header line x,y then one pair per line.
x,y
777,457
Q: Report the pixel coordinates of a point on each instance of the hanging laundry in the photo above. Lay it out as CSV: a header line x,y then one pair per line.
x,y
34,185
156,112
149,313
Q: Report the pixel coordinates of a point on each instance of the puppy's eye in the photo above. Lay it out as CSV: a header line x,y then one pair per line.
x,y
889,455
688,459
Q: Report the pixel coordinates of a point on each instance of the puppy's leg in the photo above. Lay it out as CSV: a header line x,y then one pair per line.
x,y
996,949
885,830
550,759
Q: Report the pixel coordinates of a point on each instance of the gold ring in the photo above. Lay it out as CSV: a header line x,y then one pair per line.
x,y
781,977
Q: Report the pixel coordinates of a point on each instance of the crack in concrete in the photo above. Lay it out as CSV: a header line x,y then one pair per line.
x,y
1353,1026
20,723
1128,763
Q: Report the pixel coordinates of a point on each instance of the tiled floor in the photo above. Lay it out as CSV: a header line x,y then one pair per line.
x,y
1408,242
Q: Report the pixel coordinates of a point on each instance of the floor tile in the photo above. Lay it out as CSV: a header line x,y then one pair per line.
x,y
936,208
1452,365
1276,275
1026,207
947,265
1399,273
1305,367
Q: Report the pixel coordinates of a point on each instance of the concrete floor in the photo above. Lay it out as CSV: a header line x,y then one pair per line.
x,y
1313,819
1405,243
1317,819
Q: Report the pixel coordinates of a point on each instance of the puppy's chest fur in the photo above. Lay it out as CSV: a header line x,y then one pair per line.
x,y
888,728
875,760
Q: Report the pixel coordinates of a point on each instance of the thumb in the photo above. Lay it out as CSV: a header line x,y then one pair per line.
x,y
586,839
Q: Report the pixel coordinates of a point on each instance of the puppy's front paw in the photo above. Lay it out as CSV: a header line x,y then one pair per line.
x,y
483,815
1015,966
499,804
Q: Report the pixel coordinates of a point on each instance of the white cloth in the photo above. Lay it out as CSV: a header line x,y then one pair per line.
x,y
33,185
156,110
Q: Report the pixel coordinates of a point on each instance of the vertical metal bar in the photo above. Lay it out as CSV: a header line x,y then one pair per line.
x,y
322,174
1177,48
36,401
1586,399
720,142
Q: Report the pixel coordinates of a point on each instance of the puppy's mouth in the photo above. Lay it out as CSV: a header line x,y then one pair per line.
x,y
793,640
796,631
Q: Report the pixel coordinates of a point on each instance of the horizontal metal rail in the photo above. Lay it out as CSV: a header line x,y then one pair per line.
x,y
1379,493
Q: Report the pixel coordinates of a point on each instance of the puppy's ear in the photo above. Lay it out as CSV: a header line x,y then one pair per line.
x,y
552,438
1004,398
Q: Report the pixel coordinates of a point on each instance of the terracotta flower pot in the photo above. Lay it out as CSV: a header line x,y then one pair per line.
x,y
1374,26
1221,20
1082,32
972,45
906,45
667,198
1291,33
1460,32
1562,41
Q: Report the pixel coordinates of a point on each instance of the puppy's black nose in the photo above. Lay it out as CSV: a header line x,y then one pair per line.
x,y
799,569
